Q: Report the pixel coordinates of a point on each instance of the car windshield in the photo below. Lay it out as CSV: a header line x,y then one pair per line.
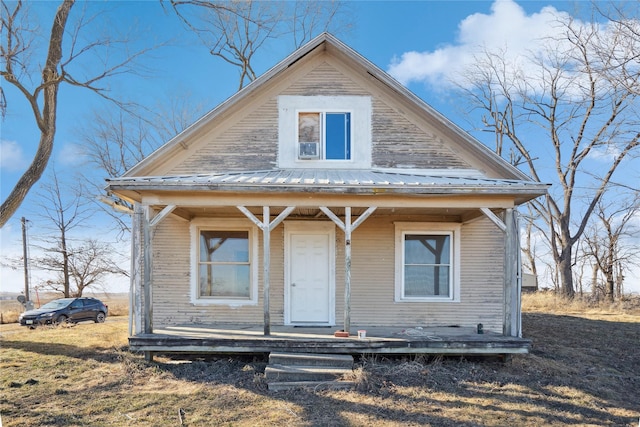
x,y
58,303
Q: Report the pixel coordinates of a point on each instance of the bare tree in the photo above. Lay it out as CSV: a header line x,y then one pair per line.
x,y
236,30
579,102
75,262
114,140
63,210
89,263
606,247
18,51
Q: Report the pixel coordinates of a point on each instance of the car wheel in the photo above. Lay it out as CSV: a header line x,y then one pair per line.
x,y
61,320
100,317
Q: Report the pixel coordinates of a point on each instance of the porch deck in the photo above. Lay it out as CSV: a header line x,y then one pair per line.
x,y
379,340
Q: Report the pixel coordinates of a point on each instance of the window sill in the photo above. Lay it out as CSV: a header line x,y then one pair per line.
x,y
227,302
430,299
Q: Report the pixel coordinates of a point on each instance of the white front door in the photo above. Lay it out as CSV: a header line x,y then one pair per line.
x,y
309,295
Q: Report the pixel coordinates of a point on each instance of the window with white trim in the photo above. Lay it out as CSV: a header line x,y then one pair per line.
x,y
224,269
324,132
427,257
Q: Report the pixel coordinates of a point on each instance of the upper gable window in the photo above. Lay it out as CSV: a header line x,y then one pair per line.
x,y
324,135
324,132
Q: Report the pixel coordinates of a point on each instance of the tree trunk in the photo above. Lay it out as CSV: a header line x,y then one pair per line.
x,y
65,264
610,283
619,282
32,174
47,120
566,273
594,282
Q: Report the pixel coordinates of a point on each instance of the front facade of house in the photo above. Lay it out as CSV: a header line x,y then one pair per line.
x,y
325,194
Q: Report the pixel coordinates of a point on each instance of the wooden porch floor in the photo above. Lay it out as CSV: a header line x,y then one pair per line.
x,y
379,340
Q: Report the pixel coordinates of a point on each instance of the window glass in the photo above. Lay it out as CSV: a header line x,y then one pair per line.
x,y
427,265
224,269
309,127
224,246
338,136
229,281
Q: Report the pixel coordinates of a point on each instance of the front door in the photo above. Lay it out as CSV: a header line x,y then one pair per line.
x,y
310,278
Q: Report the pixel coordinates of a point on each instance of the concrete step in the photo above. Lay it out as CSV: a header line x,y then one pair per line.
x,y
311,385
312,359
274,373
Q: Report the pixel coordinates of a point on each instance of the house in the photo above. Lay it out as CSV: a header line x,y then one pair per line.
x,y
325,196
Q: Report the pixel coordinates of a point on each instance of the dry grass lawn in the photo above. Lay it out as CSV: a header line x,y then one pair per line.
x,y
583,370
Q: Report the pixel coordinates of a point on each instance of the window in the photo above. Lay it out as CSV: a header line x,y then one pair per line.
x,y
324,135
427,265
77,304
426,262
324,132
223,266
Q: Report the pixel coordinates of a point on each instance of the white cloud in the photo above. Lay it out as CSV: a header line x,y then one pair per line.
x,y
11,156
71,155
507,29
605,154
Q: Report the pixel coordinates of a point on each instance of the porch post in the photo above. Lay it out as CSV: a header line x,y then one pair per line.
x,y
347,227
347,269
266,226
266,261
148,259
137,268
511,275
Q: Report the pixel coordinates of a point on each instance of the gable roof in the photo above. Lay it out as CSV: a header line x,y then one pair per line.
x,y
327,42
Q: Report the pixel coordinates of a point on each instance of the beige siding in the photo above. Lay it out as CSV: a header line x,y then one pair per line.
x,y
249,140
373,281
172,284
325,80
251,144
373,266
397,142
171,260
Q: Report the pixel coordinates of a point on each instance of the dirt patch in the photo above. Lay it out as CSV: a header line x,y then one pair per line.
x,y
582,370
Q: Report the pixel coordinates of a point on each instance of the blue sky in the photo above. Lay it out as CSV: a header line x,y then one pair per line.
x,y
419,42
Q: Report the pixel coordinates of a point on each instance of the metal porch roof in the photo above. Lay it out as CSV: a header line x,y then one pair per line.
x,y
321,180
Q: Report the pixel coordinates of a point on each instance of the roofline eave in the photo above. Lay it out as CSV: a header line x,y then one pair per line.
x,y
531,189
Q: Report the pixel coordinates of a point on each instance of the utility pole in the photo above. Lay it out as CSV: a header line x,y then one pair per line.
x,y
26,260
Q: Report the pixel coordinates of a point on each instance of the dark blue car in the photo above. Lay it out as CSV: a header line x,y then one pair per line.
x,y
66,310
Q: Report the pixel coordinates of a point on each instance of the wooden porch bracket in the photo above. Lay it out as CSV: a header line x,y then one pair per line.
x,y
494,218
348,228
266,225
161,215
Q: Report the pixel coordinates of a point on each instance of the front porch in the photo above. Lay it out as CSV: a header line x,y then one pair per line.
x,y
379,340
